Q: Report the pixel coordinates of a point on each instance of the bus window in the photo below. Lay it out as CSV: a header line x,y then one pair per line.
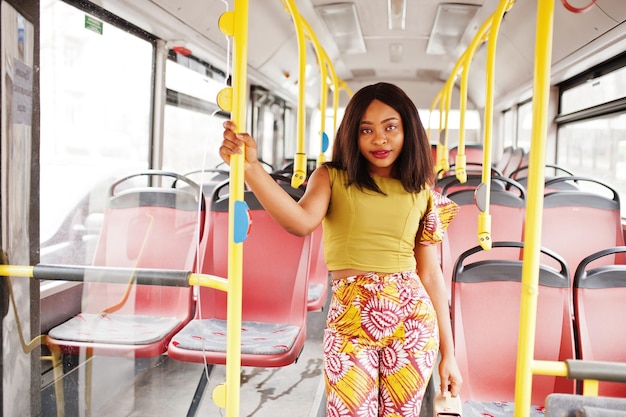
x,y
508,129
524,125
315,142
596,148
91,130
472,125
595,91
592,125
192,119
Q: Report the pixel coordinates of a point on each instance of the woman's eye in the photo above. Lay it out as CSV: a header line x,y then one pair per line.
x,y
392,127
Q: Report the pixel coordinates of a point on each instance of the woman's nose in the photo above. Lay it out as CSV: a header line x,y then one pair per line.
x,y
380,137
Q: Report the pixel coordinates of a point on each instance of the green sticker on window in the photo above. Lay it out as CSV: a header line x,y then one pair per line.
x,y
93,24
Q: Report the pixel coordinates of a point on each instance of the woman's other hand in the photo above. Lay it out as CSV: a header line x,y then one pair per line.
x,y
450,376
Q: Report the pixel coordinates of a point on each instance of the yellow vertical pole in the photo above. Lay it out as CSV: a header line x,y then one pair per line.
x,y
459,168
438,165
484,218
335,80
466,58
322,62
299,162
461,159
235,24
534,207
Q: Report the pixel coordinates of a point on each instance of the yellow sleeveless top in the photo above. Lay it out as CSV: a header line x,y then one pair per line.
x,y
370,231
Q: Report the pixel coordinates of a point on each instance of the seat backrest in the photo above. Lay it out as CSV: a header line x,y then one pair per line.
x,y
599,294
507,212
517,155
577,223
149,227
274,283
473,154
486,298
451,184
551,172
504,159
318,278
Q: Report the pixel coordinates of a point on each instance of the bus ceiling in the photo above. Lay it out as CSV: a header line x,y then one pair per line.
x,y
412,44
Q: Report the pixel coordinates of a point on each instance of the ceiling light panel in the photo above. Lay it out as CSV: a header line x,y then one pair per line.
x,y
396,51
396,12
342,22
450,24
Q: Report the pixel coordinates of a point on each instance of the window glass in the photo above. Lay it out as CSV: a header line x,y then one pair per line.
x,y
192,120
472,126
315,143
596,148
95,121
596,91
508,128
524,125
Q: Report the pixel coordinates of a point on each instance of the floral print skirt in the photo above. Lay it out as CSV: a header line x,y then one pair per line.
x,y
380,346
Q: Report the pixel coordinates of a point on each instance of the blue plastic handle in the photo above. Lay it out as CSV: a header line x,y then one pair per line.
x,y
242,221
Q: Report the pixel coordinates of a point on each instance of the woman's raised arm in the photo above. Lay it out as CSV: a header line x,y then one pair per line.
x,y
299,218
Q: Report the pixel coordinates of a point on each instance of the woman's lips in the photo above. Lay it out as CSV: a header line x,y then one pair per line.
x,y
380,154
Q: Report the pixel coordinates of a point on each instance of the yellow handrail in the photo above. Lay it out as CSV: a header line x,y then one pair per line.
x,y
441,158
234,23
447,99
324,64
344,86
534,207
299,161
484,218
466,59
488,31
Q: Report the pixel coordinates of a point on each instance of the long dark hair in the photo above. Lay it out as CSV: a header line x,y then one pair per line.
x,y
414,166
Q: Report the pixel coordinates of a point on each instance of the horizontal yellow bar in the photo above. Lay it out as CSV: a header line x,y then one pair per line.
x,y
211,281
549,368
16,271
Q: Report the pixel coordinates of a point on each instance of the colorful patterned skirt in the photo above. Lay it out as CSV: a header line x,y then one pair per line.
x,y
380,345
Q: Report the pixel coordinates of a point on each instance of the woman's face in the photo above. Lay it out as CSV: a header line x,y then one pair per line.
x,y
381,137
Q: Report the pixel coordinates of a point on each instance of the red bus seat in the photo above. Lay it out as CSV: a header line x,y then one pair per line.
x,y
143,227
515,160
577,223
318,278
448,182
599,295
274,297
504,159
473,154
486,331
507,212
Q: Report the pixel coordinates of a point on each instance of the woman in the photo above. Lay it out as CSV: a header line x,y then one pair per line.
x,y
388,315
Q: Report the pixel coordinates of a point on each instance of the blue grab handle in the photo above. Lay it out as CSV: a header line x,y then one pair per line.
x,y
242,221
325,142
